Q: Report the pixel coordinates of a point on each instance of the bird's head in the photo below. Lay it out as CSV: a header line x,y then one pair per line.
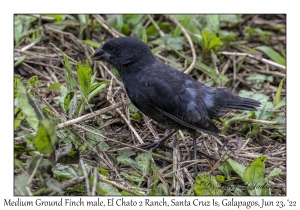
x,y
125,53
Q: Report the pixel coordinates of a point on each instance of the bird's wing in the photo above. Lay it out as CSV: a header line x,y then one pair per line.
x,y
178,97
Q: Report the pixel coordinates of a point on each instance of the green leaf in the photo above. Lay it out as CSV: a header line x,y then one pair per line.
x,y
54,184
33,82
143,162
257,80
278,93
19,117
274,173
124,157
138,31
212,22
210,40
18,30
280,104
96,88
263,35
84,77
20,60
159,190
64,173
103,171
107,189
67,100
116,21
45,138
238,168
207,185
254,175
275,56
170,42
28,107
132,20
96,140
234,19
226,169
54,86
91,43
21,183
239,192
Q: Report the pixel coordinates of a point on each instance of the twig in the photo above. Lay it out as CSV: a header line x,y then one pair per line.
x,y
124,144
107,27
103,179
82,118
261,122
95,181
187,36
86,177
252,56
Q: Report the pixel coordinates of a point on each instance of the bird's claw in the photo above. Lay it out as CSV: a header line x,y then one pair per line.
x,y
157,144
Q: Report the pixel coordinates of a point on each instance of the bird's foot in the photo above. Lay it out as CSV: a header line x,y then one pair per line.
x,y
160,143
157,144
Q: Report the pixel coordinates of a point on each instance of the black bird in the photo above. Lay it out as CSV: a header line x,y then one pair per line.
x,y
173,99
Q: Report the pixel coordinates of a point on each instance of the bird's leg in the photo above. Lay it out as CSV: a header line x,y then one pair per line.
x,y
195,152
160,143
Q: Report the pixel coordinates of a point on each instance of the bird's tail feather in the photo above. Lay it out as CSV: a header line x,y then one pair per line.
x,y
243,104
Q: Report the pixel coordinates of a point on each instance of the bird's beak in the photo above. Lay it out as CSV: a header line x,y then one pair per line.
x,y
100,54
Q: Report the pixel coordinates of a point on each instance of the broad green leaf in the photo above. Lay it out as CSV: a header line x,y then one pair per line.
x,y
45,138
212,22
28,107
54,184
238,168
143,162
67,100
21,183
103,171
58,18
226,169
54,86
132,20
210,40
239,192
254,175
19,117
62,172
170,42
207,185
84,77
116,21
274,173
138,31
18,30
278,93
96,140
96,88
63,94
275,56
107,189
33,82
159,190
230,18
257,80
124,157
